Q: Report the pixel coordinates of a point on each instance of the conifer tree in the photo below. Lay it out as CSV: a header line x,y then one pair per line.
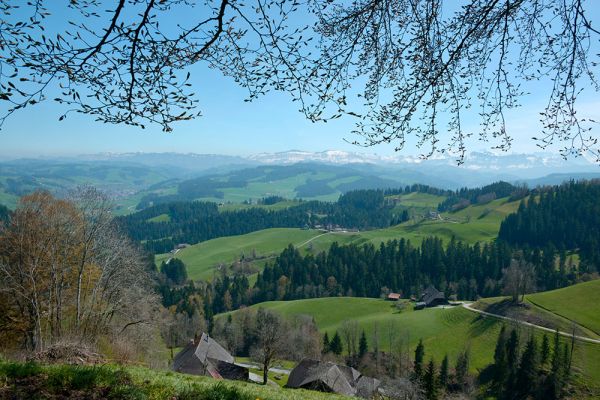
x,y
419,355
336,344
500,362
527,374
443,377
326,344
512,359
544,351
363,346
429,381
555,381
462,368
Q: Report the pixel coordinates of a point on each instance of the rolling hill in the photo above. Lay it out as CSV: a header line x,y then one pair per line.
x,y
444,330
472,224
567,309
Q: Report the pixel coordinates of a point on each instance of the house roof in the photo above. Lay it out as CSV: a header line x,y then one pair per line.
x,y
431,294
331,377
313,373
394,296
209,348
184,356
204,351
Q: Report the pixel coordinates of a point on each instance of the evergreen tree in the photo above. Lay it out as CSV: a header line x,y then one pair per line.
x,y
545,350
336,344
326,344
512,360
443,378
430,382
527,374
462,368
419,355
363,346
500,361
555,382
175,271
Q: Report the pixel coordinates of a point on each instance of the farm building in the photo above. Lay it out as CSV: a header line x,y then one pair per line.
x,y
330,377
394,296
207,357
433,297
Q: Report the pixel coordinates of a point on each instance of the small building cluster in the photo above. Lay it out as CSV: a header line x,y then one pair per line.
x,y
333,378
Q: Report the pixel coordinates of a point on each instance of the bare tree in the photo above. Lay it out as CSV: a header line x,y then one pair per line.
x,y
428,62
270,334
403,68
518,279
62,285
351,334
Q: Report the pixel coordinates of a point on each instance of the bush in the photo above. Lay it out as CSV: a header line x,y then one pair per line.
x,y
19,371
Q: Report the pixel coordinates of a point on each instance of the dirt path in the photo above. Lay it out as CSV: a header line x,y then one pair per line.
x,y
311,239
582,338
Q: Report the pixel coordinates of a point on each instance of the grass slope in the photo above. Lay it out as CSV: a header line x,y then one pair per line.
x,y
203,258
467,225
564,309
443,330
131,382
577,303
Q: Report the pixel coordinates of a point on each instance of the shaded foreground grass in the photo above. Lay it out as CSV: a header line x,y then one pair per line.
x,y
29,380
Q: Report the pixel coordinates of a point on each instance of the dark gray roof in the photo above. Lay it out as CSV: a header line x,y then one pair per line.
x,y
203,356
431,294
209,348
330,377
367,386
184,356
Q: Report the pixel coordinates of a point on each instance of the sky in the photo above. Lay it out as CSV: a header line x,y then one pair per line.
x,y
230,125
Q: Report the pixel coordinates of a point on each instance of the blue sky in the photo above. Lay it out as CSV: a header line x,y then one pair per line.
x,y
230,126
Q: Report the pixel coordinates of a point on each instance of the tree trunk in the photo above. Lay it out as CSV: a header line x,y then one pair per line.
x,y
265,372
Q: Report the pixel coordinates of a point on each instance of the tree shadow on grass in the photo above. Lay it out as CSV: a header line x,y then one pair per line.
x,y
481,326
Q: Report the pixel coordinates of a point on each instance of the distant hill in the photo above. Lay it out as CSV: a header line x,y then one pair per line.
x,y
472,224
122,181
310,181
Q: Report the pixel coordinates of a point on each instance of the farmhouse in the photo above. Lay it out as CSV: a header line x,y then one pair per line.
x,y
330,377
207,357
432,297
394,296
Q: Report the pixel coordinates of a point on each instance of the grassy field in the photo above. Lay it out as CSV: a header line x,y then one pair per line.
x,y
564,309
467,225
203,259
443,330
130,382
579,303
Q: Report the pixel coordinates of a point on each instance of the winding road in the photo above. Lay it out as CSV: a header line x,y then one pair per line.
x,y
469,307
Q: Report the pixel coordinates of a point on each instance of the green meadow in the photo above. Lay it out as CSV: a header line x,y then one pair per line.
x,y
476,223
445,331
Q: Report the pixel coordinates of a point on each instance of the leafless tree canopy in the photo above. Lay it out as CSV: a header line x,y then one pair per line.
x,y
405,69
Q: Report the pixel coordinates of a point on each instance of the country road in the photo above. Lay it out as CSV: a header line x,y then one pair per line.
x,y
582,338
273,369
311,239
